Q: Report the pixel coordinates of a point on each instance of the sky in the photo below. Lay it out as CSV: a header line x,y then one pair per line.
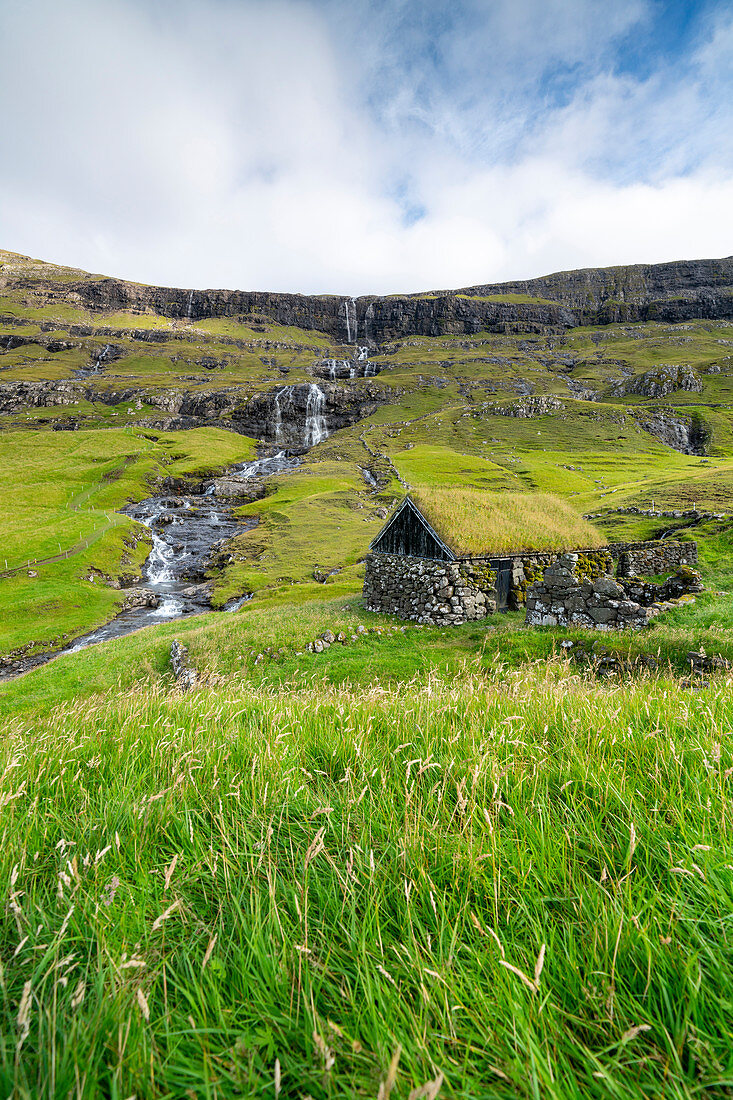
x,y
364,146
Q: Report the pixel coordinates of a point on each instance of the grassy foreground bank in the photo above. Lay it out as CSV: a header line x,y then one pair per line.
x,y
513,884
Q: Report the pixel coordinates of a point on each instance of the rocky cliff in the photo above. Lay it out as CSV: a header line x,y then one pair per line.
x,y
670,292
280,414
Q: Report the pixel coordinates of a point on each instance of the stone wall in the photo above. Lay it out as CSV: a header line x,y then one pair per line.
x,y
527,569
632,559
426,591
429,591
647,558
562,598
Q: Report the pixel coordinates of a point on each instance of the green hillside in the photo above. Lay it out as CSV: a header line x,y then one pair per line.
x,y
557,412
412,861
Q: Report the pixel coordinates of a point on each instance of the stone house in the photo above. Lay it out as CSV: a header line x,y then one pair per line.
x,y
415,572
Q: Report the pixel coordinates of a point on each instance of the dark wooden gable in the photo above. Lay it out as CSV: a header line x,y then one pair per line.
x,y
408,533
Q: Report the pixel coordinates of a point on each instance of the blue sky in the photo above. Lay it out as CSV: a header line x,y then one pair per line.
x,y
376,145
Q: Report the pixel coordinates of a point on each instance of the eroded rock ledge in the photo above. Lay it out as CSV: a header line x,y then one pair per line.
x,y
671,292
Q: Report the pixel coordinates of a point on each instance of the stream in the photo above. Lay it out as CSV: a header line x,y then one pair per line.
x,y
185,529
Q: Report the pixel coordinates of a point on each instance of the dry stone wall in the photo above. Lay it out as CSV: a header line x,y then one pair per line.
x,y
426,591
631,559
528,567
563,599
646,558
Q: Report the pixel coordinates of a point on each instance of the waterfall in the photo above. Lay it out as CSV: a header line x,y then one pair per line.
x,y
315,422
368,318
348,321
336,368
351,337
102,356
190,305
158,565
362,356
287,392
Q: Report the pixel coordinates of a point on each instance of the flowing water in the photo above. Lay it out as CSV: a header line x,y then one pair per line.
x,y
360,366
368,319
315,422
96,366
185,529
351,335
294,424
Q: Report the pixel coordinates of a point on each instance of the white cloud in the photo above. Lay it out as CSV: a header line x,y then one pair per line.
x,y
231,143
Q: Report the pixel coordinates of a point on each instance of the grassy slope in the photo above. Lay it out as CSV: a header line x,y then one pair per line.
x,y
59,494
474,805
442,429
520,882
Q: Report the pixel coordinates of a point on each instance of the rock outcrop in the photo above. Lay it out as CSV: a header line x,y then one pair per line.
x,y
251,414
671,292
529,407
186,677
659,382
685,433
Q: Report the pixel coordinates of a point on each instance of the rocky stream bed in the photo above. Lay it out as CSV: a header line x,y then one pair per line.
x,y
185,530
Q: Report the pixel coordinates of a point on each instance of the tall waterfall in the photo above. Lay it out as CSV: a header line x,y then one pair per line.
x,y
285,395
315,421
348,322
189,310
368,318
351,336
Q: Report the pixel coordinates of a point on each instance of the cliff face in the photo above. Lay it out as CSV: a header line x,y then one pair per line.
x,y
669,292
279,415
589,290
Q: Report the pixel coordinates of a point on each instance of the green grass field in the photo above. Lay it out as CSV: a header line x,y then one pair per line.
x,y
513,884
426,862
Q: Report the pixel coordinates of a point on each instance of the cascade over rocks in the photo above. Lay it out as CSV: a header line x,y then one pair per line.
x,y
296,417
336,407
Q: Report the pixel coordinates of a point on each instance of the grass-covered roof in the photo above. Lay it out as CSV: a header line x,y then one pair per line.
x,y
474,522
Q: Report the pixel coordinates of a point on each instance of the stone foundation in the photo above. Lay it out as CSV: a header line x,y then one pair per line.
x,y
563,599
427,591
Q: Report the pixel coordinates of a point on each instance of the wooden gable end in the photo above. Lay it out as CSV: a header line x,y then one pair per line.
x,y
409,534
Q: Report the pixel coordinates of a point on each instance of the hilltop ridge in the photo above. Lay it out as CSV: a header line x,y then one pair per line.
x,y
670,292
